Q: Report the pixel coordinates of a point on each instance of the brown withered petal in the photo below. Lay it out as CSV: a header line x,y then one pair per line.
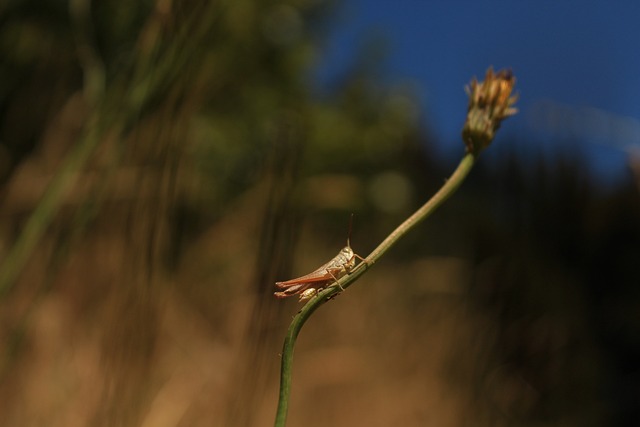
x,y
490,102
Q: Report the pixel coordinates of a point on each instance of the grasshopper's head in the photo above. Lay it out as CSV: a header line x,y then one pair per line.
x,y
347,252
349,258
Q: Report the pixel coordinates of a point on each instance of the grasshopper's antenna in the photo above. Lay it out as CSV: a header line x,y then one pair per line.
x,y
349,233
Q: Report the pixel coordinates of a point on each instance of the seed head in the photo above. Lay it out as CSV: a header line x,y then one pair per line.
x,y
490,102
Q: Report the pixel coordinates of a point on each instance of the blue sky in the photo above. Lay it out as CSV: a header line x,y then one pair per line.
x,y
577,64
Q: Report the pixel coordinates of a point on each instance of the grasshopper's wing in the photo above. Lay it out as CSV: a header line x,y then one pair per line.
x,y
332,270
315,277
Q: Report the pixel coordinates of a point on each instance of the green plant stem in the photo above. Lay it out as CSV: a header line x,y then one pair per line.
x,y
449,187
48,205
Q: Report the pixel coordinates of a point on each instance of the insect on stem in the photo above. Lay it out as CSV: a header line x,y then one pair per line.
x,y
309,285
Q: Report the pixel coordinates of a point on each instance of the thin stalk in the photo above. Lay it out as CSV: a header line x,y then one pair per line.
x,y
47,207
449,187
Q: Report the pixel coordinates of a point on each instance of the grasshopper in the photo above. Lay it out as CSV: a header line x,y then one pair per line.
x,y
309,285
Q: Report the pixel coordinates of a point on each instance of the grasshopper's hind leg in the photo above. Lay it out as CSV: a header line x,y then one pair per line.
x,y
336,281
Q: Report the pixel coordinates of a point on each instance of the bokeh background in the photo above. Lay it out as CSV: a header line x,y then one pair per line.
x,y
163,163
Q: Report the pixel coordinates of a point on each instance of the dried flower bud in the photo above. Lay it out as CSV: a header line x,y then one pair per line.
x,y
490,102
